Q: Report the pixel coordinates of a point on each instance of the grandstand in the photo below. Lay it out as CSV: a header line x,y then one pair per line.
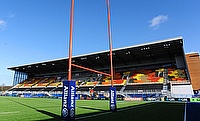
x,y
141,71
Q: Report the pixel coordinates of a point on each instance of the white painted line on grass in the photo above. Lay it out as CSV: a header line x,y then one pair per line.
x,y
185,111
2,113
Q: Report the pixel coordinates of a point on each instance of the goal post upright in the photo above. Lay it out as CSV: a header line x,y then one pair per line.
x,y
70,40
69,86
110,41
112,90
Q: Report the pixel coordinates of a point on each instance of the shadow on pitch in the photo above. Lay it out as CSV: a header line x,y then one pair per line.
x,y
151,111
55,117
100,116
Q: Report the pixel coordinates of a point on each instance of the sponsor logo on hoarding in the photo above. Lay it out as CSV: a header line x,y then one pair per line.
x,y
133,99
194,99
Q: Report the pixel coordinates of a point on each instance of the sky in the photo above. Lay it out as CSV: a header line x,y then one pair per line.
x,y
38,30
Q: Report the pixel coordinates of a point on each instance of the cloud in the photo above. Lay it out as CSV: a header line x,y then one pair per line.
x,y
3,24
11,16
156,21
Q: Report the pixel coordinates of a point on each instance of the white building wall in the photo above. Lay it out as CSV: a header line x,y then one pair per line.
x,y
182,91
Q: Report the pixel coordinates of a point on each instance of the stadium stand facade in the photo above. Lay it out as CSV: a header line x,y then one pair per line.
x,y
193,62
141,71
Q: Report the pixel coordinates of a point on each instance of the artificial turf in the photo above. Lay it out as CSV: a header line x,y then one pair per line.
x,y
34,109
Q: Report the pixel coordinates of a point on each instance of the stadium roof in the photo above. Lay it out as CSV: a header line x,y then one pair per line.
x,y
159,52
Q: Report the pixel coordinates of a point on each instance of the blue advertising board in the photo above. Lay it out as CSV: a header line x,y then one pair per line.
x,y
113,97
68,100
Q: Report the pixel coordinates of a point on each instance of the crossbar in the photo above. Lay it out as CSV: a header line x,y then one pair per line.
x,y
89,69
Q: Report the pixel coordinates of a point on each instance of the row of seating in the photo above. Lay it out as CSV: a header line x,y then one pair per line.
x,y
156,75
120,78
39,82
141,87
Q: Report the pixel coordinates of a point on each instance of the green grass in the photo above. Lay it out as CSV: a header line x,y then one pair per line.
x,y
32,109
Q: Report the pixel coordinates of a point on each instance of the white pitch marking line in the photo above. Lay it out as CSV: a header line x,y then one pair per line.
x,y
2,113
185,111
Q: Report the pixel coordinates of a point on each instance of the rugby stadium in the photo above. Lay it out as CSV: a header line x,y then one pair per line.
x,y
150,71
